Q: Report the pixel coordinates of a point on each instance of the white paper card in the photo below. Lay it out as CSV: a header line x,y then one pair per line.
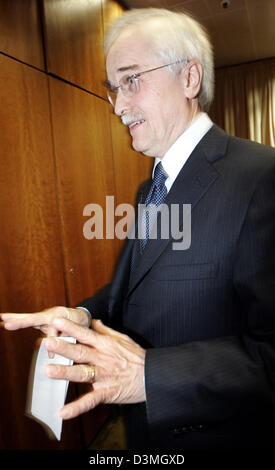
x,y
49,395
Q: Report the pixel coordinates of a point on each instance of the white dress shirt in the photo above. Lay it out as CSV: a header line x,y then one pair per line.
x,y
177,155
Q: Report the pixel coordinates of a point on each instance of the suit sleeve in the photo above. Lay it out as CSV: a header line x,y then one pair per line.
x,y
214,380
98,304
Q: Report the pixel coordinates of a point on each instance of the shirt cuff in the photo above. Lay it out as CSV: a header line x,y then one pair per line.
x,y
84,308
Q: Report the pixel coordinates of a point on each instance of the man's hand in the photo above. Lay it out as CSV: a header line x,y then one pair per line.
x,y
118,364
44,320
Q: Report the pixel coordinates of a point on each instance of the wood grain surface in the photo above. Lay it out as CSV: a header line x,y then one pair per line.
x,y
31,267
20,31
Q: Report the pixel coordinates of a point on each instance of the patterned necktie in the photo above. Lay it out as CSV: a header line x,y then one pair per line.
x,y
155,197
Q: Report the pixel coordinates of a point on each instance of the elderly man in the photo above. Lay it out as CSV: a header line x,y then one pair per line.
x,y
191,350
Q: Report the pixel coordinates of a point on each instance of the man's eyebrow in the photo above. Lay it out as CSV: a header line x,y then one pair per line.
x,y
128,67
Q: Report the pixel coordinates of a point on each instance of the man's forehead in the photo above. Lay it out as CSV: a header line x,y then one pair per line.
x,y
123,65
130,51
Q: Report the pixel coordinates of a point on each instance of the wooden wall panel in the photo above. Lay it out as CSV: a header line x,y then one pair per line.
x,y
74,35
85,171
29,236
20,31
31,269
74,42
111,10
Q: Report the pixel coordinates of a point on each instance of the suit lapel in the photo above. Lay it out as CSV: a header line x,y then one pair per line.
x,y
192,183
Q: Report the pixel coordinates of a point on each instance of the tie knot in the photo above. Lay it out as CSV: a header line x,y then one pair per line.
x,y
159,175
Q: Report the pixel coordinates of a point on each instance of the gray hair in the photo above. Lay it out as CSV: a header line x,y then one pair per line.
x,y
175,36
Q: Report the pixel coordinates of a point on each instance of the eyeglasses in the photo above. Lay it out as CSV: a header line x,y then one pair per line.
x,y
129,84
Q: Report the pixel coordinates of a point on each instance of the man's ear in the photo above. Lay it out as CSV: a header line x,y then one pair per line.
x,y
192,78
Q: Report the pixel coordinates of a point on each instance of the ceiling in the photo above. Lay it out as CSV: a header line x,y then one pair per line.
x,y
244,31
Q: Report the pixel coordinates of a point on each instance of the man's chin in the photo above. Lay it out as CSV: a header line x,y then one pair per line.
x,y
141,149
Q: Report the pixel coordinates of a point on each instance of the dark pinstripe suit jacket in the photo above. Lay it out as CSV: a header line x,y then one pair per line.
x,y
207,314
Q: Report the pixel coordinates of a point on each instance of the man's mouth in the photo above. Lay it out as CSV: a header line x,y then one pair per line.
x,y
132,121
133,125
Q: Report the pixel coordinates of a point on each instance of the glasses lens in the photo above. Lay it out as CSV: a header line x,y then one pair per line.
x,y
112,97
129,85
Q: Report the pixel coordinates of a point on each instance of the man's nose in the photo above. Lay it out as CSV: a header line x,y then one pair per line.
x,y
121,104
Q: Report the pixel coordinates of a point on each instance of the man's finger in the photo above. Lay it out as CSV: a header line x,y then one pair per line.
x,y
80,373
79,353
14,321
83,404
81,333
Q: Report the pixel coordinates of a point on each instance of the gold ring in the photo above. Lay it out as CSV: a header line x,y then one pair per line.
x,y
90,374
